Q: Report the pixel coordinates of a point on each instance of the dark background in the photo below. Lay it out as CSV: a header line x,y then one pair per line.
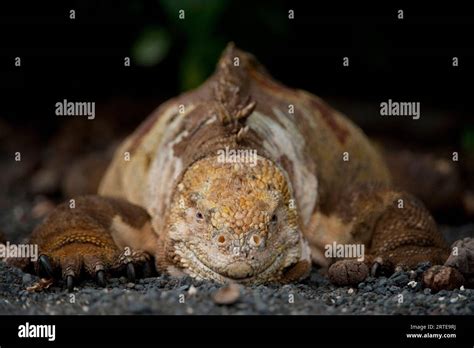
x,y
82,60
409,59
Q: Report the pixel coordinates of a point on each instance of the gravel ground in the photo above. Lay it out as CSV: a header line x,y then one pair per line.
x,y
164,295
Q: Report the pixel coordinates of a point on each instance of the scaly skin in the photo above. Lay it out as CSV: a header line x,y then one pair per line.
x,y
250,235
317,180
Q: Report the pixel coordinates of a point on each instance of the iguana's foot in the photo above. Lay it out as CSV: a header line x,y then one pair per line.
x,y
93,237
442,278
457,270
397,229
352,271
81,261
404,232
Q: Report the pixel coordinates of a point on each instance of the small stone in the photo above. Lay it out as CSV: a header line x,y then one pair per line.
x,y
422,267
27,278
227,295
139,308
399,278
398,269
183,288
412,284
260,305
394,288
192,290
350,291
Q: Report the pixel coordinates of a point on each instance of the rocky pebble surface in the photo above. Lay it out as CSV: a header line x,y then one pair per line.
x,y
401,293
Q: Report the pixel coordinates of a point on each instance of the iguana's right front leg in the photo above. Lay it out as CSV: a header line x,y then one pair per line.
x,y
93,236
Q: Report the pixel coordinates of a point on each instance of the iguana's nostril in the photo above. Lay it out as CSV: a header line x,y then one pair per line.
x,y
221,239
255,240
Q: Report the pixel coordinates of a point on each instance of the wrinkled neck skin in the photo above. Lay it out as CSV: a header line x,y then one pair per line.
x,y
233,219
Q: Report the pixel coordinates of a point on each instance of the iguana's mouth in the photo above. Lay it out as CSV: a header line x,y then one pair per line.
x,y
201,269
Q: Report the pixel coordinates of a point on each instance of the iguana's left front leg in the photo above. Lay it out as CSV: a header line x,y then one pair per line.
x,y
395,228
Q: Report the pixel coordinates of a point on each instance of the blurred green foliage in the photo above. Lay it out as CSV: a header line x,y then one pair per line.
x,y
201,16
151,46
200,23
468,140
196,41
197,31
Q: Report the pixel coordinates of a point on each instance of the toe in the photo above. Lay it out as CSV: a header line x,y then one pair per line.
x,y
100,278
71,265
381,267
134,263
348,272
70,283
131,272
45,266
442,278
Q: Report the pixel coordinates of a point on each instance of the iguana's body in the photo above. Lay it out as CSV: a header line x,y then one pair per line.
x,y
317,180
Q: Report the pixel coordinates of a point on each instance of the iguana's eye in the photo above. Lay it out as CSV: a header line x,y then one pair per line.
x,y
199,216
274,218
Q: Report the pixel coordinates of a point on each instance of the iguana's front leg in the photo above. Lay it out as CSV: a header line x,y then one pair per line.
x,y
405,233
93,236
395,228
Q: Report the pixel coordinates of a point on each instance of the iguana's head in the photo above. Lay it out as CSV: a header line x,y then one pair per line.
x,y
237,222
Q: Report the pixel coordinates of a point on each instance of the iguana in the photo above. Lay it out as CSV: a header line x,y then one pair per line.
x,y
184,193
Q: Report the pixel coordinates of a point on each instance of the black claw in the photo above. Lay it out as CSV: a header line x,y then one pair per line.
x,y
70,283
46,265
101,278
374,269
131,272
